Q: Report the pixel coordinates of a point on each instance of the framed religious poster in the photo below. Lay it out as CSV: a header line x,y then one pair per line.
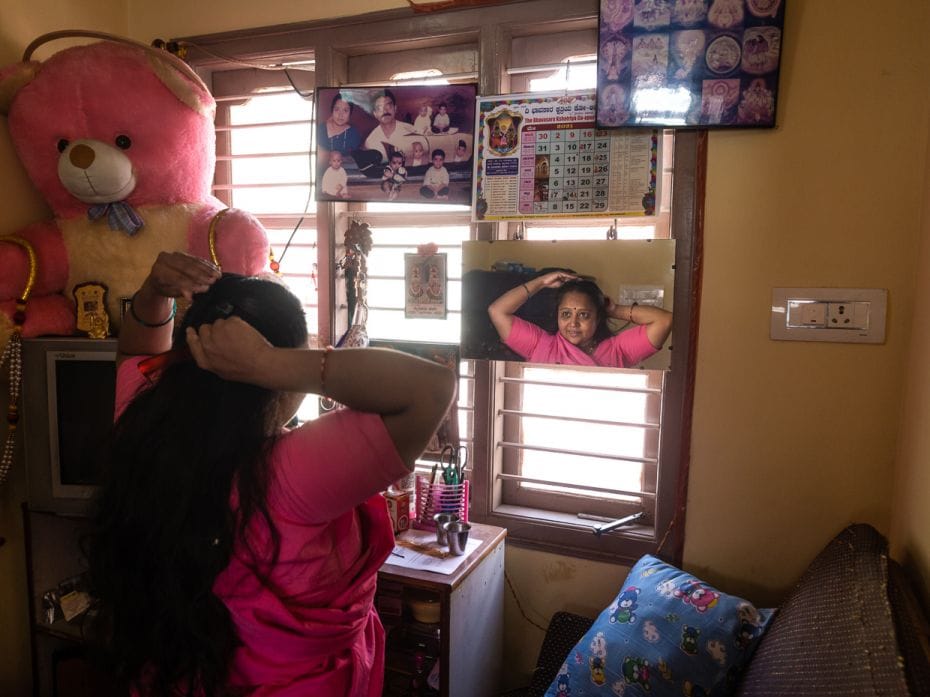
x,y
407,143
541,155
425,286
711,63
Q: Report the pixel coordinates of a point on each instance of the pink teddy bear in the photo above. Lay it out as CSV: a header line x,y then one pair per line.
x,y
119,139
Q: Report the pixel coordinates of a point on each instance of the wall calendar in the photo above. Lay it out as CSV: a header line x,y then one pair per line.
x,y
541,155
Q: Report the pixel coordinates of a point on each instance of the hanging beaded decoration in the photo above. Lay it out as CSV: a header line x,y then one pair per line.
x,y
13,353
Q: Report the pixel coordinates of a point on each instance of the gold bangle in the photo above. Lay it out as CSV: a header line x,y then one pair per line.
x,y
631,310
211,237
526,288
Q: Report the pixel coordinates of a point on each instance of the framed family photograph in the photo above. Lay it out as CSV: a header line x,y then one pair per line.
x,y
712,63
411,144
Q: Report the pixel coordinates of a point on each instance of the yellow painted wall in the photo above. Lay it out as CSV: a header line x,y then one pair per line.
x,y
791,440
171,18
910,535
20,22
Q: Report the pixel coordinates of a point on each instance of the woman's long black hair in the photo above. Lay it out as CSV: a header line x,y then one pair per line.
x,y
599,300
163,528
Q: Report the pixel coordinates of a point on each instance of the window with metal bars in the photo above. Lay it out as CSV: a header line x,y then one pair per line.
x,y
264,165
393,236
400,228
552,447
571,449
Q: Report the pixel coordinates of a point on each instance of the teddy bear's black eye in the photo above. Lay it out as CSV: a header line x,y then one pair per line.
x,y
123,142
62,144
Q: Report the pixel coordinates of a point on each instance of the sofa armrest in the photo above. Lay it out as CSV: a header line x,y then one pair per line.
x,y
835,634
911,627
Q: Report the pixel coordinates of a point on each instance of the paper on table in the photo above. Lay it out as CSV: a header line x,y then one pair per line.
x,y
420,551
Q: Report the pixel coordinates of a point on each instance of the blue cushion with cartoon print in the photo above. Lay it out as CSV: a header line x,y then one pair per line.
x,y
666,633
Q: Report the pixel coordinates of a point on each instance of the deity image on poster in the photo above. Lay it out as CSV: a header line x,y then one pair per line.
x,y
540,155
425,277
667,63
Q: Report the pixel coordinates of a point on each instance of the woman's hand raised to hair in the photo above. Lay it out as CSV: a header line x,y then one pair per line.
x,y
173,275
555,279
234,350
179,275
412,394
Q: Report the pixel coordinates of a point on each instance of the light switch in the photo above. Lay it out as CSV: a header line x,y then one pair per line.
x,y
807,314
854,315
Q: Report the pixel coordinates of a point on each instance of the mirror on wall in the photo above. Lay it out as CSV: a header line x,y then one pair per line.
x,y
536,301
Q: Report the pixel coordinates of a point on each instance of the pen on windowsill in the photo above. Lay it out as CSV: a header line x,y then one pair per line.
x,y
395,553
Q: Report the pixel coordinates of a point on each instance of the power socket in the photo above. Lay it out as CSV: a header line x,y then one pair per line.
x,y
852,315
841,315
848,315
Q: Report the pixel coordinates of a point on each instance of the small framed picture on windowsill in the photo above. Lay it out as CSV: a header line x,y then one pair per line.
x,y
425,286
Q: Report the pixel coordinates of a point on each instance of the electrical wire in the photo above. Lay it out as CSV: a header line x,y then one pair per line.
x,y
520,606
237,61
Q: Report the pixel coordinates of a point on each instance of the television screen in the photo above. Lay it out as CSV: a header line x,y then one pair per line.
x,y
84,396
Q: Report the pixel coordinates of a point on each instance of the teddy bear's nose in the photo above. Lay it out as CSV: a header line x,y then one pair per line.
x,y
81,156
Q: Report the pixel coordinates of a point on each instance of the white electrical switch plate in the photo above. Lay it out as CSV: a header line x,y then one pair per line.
x,y
641,295
855,315
806,313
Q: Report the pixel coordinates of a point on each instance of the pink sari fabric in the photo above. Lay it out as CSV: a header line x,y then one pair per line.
x,y
623,350
312,629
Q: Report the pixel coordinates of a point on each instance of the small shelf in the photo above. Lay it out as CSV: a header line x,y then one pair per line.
x,y
61,629
467,641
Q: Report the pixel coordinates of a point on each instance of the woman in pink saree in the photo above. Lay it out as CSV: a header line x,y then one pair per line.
x,y
231,555
583,336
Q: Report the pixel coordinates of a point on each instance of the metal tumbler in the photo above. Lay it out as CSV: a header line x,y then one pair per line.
x,y
457,534
441,519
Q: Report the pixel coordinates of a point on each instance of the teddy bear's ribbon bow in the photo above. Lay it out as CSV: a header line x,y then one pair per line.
x,y
120,216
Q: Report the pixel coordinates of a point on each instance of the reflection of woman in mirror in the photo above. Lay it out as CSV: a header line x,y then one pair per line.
x,y
336,133
583,336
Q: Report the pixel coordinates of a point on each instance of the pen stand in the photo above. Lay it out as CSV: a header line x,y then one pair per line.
x,y
439,498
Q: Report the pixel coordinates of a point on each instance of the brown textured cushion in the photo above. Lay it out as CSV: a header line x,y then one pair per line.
x,y
835,634
912,629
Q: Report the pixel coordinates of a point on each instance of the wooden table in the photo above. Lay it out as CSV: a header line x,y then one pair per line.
x,y
470,641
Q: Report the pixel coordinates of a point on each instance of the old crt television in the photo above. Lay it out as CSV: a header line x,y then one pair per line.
x,y
69,385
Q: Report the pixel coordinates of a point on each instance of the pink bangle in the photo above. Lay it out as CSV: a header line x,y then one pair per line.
x,y
323,358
